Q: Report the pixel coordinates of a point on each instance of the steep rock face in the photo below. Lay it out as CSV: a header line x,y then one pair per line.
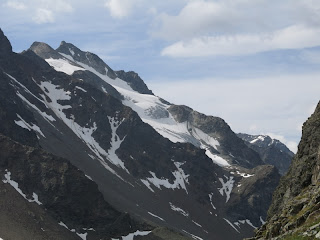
x,y
116,141
252,193
44,50
232,147
87,58
5,46
63,190
134,81
296,202
271,151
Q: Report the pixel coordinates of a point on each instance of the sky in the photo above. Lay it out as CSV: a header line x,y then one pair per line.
x,y
254,63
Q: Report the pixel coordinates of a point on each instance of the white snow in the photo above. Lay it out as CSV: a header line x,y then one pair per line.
x,y
179,210
210,197
47,117
153,215
80,88
245,175
15,185
262,221
62,65
88,177
152,111
131,236
56,93
205,138
22,123
197,224
81,235
226,187
24,88
115,143
180,179
231,225
245,221
217,159
261,138
250,224
192,235
145,182
71,51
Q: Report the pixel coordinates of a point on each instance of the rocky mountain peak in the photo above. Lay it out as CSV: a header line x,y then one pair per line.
x,y
87,58
5,46
43,50
271,151
134,81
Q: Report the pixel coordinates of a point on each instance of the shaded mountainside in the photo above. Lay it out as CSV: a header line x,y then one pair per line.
x,y
295,208
64,191
162,164
271,151
230,146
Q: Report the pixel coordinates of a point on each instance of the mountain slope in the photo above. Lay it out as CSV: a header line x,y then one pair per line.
x,y
145,160
271,151
294,211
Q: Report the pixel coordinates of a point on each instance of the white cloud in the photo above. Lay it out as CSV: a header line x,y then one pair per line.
x,y
43,16
293,37
120,8
205,17
236,27
16,5
59,6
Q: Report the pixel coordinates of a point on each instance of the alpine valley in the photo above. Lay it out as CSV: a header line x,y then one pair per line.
x,y
87,152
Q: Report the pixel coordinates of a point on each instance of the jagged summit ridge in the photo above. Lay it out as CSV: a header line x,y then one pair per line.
x,y
5,46
134,81
115,140
87,58
44,50
271,151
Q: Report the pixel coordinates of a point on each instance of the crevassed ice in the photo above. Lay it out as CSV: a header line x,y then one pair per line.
x,y
140,103
62,65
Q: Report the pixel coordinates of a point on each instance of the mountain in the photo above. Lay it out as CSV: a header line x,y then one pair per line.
x,y
270,150
160,166
294,212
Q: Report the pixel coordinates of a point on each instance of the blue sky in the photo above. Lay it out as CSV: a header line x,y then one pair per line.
x,y
254,63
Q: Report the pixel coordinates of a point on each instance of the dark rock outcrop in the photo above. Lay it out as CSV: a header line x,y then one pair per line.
x,y
5,46
295,208
217,128
134,80
64,191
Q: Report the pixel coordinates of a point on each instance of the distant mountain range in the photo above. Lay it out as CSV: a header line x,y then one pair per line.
x,y
91,153
271,151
